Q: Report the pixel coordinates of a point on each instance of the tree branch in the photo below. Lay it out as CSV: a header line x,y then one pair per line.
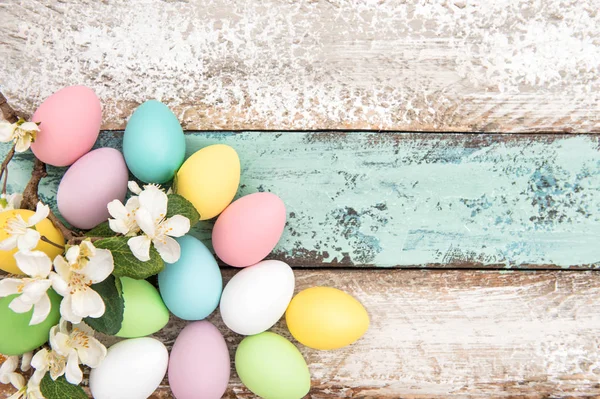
x,y
9,113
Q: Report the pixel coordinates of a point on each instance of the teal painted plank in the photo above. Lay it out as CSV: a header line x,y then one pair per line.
x,y
415,200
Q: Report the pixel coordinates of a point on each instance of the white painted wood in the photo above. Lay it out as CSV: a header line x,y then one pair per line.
x,y
507,65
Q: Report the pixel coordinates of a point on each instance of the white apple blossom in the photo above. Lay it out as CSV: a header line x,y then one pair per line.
x,y
9,375
33,289
8,202
84,265
48,360
78,345
21,233
124,216
157,230
21,132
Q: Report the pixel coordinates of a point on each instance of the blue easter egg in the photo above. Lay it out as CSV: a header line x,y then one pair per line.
x,y
191,287
153,143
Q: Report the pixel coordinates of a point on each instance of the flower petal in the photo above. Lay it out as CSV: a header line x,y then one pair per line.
x,y
140,247
154,200
134,187
117,210
9,243
168,249
35,289
23,143
41,309
58,284
94,354
73,372
72,254
26,361
10,286
62,267
29,240
176,226
7,131
87,302
41,212
34,263
30,127
118,226
144,219
9,366
16,380
17,305
99,266
66,310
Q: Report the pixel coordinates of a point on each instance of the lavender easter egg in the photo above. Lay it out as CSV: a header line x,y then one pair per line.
x,y
89,185
199,364
248,229
69,125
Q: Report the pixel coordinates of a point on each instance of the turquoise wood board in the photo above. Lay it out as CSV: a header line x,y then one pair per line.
x,y
414,200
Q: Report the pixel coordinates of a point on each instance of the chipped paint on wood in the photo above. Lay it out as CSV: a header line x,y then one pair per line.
x,y
460,65
467,334
436,200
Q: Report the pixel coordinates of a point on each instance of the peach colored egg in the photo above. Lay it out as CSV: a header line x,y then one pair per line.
x,y
70,123
96,179
248,229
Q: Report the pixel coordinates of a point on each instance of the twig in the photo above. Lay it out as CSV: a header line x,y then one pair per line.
x,y
46,239
4,167
78,240
9,113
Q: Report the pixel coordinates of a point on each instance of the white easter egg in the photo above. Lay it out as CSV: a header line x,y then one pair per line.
x,y
256,297
132,369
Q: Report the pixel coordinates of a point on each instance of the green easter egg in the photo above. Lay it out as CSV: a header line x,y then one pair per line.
x,y
145,312
272,367
16,335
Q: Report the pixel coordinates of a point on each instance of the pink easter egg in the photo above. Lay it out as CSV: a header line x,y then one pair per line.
x,y
87,187
248,229
199,364
70,123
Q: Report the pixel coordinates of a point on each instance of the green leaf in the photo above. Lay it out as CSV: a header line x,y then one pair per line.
x,y
110,322
102,230
60,389
180,206
128,265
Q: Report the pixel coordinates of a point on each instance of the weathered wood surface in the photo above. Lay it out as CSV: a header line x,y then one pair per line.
x,y
470,334
414,200
455,65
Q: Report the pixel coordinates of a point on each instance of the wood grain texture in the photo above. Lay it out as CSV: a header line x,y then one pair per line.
x,y
414,200
466,334
455,65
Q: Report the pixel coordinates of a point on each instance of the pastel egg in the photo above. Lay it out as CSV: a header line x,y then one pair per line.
x,y
326,318
145,313
69,125
16,335
209,179
93,181
272,367
45,228
248,230
256,297
191,287
199,364
153,143
132,369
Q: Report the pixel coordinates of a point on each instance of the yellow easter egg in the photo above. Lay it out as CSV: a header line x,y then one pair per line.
x,y
326,318
45,228
209,179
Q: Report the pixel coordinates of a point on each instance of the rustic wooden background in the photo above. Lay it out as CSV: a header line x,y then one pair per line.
x,y
473,243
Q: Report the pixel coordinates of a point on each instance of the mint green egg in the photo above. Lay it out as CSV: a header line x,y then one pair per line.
x,y
153,143
16,335
145,312
272,367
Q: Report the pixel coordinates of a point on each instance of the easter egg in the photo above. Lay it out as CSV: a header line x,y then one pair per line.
x,y
248,230
69,125
272,367
93,181
153,143
256,297
326,318
145,313
191,287
209,179
199,364
45,228
16,335
132,369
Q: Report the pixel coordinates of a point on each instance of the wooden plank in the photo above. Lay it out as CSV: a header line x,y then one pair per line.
x,y
469,334
510,66
414,200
